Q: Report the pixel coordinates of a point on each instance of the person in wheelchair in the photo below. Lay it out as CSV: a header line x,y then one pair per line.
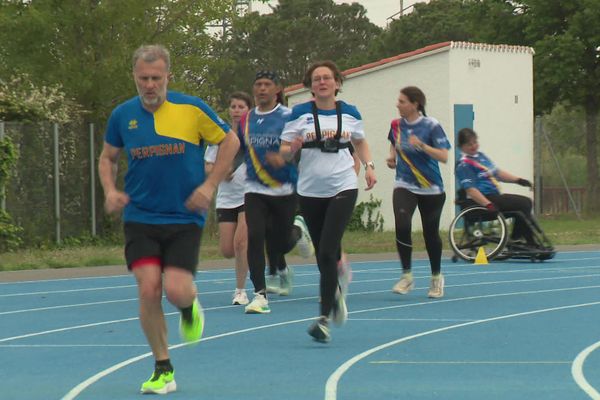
x,y
479,177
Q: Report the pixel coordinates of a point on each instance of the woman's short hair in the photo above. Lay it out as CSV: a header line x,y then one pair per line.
x,y
465,135
337,74
243,96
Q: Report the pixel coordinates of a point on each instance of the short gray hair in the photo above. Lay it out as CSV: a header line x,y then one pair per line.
x,y
152,52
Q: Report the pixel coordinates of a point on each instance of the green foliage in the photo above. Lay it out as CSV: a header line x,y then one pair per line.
x,y
21,100
366,216
297,33
8,158
10,234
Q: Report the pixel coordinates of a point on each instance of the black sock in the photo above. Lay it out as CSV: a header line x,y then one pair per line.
x,y
163,365
186,313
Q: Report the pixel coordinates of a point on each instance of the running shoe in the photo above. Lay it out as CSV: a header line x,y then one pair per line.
x,y
339,313
319,330
286,277
344,273
240,298
258,305
436,287
191,331
405,284
304,244
273,284
161,382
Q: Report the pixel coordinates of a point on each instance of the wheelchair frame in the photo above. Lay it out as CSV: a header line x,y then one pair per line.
x,y
476,227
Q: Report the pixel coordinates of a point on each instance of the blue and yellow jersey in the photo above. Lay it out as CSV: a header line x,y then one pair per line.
x,y
165,155
479,172
260,133
415,170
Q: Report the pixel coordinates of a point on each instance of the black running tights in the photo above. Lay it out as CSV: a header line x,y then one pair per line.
x,y
327,219
430,208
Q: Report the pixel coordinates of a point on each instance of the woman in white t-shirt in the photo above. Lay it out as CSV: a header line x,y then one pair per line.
x,y
233,233
324,129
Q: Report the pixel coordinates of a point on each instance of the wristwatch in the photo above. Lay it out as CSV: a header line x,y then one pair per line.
x,y
369,164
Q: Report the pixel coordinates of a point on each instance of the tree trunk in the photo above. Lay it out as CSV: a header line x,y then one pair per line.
x,y
591,134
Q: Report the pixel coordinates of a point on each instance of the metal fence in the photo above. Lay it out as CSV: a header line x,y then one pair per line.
x,y
52,193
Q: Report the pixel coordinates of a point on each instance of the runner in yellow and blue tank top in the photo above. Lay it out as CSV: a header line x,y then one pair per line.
x,y
418,144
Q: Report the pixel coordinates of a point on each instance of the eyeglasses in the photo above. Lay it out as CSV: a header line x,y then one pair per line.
x,y
325,78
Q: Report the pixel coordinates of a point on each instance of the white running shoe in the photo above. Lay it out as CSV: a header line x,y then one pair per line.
x,y
304,244
404,285
344,273
240,298
258,305
436,287
339,313
286,278
273,284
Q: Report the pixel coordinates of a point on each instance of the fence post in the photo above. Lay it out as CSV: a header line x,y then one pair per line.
x,y
537,167
2,189
56,184
92,179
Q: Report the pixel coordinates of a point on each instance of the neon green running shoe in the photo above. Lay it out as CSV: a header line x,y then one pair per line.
x,y
161,382
192,331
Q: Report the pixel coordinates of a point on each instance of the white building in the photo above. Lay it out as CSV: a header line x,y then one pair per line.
x,y
485,87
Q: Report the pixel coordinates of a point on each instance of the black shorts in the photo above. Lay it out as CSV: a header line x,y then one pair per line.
x,y
229,214
176,245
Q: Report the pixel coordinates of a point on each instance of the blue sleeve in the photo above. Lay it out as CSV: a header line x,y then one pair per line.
x,y
113,133
467,178
439,139
391,136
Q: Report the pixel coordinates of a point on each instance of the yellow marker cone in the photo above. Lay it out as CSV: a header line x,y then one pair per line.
x,y
481,258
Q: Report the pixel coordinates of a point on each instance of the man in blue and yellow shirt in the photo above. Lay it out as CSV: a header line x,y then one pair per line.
x,y
165,198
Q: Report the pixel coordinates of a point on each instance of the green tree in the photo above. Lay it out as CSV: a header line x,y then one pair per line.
x,y
566,36
297,33
489,21
86,46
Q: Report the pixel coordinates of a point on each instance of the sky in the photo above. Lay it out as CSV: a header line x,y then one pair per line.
x,y
377,10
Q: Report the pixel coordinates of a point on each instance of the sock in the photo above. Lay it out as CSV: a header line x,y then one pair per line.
x,y
163,365
407,274
186,313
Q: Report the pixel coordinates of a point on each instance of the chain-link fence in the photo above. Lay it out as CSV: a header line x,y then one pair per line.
x,y
52,192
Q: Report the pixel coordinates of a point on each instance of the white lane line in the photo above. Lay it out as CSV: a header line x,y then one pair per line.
x,y
429,302
577,371
412,319
332,381
25,346
77,390
470,362
73,393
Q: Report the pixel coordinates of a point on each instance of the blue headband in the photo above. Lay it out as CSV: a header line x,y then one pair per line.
x,y
271,75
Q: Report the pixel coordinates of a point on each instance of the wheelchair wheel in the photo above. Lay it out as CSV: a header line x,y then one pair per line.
x,y
474,228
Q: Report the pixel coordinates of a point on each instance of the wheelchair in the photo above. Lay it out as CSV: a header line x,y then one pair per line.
x,y
476,227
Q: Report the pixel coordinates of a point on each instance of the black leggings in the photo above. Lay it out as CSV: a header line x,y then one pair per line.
x,y
430,208
270,219
515,202
327,219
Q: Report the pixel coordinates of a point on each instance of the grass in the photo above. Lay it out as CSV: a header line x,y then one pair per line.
x,y
561,230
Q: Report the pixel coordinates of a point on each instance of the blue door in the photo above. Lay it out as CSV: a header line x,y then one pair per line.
x,y
463,118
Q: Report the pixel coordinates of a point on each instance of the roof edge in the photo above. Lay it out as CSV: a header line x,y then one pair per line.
x,y
505,48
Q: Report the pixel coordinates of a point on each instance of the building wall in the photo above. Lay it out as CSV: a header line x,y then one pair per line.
x,y
499,84
505,127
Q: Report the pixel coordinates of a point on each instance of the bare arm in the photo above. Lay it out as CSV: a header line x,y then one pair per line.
x,y
391,160
115,200
364,154
202,196
440,155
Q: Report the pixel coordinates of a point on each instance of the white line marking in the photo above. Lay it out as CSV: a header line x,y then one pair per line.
x,y
577,372
332,381
471,362
73,393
